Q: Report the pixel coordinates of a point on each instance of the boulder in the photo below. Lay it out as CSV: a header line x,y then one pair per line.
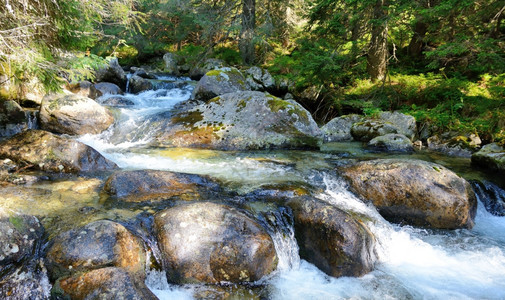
x,y
142,73
213,243
391,142
105,283
20,236
404,124
82,88
259,79
197,72
339,129
491,156
48,152
414,192
242,121
96,245
112,73
151,185
336,242
104,88
170,61
13,119
368,129
32,92
218,82
29,281
74,115
454,143
139,84
117,101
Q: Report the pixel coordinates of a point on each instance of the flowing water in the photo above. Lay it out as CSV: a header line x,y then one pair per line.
x,y
413,263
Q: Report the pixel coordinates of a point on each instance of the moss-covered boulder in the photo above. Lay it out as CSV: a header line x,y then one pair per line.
x,y
241,121
491,156
45,151
105,283
13,119
414,192
73,114
212,243
152,185
391,143
336,242
339,129
96,245
218,82
198,71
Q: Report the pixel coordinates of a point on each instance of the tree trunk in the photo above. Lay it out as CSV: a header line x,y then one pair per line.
x,y
417,42
246,43
377,54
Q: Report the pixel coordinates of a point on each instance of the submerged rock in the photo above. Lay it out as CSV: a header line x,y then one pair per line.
x,y
29,281
151,185
414,192
73,114
48,152
104,88
339,129
105,283
491,156
391,143
19,237
333,240
242,121
13,118
112,73
96,245
212,243
218,82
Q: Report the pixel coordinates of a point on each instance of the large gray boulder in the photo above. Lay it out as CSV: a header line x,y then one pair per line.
x,y
335,241
491,156
198,71
414,192
74,115
170,64
13,119
241,121
391,142
339,129
218,82
112,73
405,124
104,88
48,152
259,79
96,245
213,243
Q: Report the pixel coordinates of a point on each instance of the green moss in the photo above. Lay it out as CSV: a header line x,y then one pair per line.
x,y
277,104
17,222
214,73
188,118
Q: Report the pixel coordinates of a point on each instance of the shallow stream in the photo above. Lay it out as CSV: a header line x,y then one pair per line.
x,y
413,263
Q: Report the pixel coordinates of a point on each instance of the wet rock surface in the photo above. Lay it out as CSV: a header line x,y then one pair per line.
x,y
112,73
243,121
414,192
139,84
105,283
212,243
13,119
491,156
45,151
96,245
336,242
73,114
151,185
104,88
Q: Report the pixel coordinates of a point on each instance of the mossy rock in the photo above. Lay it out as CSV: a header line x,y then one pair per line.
x,y
218,82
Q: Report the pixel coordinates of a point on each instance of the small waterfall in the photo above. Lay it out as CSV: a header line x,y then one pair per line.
x,y
128,76
491,196
32,119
